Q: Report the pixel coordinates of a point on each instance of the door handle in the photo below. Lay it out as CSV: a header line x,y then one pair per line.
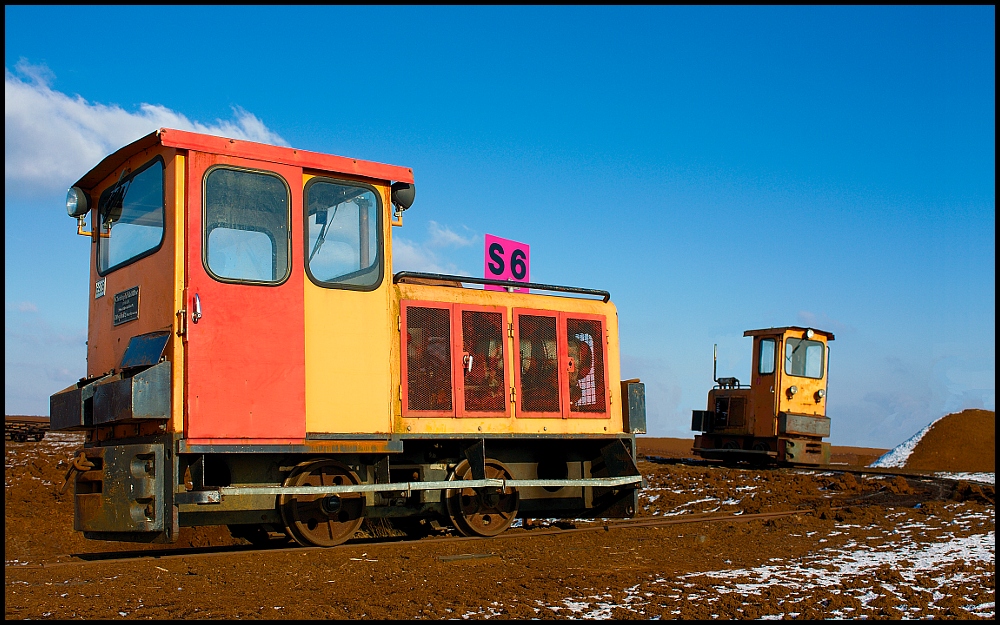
x,y
467,361
196,313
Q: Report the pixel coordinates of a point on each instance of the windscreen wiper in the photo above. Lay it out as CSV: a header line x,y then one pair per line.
x,y
116,199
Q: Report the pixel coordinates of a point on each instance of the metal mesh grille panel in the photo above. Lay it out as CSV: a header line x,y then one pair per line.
x,y
482,361
586,376
428,358
539,373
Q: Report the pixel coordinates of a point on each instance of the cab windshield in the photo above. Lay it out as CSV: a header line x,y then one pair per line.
x,y
804,358
344,234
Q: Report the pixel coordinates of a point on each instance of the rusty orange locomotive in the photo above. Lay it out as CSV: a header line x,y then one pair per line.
x,y
253,361
781,415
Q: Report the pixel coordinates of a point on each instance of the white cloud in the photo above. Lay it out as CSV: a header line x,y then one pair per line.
x,y
822,322
443,236
408,255
51,138
28,307
904,395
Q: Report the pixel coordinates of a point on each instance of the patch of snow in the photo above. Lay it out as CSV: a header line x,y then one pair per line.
x,y
830,568
983,478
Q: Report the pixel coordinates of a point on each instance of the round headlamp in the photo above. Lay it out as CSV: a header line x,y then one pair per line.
x,y
793,390
77,204
809,334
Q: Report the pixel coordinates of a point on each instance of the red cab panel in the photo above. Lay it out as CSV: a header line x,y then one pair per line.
x,y
244,297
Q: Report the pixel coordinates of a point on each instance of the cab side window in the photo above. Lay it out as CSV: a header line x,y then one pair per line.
x,y
131,217
765,363
247,235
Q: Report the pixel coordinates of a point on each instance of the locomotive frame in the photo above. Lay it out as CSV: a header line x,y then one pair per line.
x,y
252,361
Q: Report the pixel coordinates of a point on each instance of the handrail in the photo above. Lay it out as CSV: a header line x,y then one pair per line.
x,y
605,482
402,276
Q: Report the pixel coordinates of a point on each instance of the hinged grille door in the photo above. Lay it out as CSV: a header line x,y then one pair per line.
x,y
537,365
427,362
586,380
482,363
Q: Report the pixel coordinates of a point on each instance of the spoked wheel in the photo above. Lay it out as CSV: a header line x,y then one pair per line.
x,y
482,511
322,520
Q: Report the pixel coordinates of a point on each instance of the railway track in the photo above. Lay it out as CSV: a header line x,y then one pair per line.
x,y
928,486
84,559
837,468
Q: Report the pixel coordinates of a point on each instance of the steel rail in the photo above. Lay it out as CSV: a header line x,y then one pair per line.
x,y
822,468
885,471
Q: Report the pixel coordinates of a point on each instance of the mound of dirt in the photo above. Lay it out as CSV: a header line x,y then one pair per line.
x,y
960,442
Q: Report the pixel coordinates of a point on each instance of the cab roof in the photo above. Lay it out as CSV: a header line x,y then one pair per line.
x,y
782,330
198,142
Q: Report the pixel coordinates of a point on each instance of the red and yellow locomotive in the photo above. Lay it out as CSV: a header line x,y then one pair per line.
x,y
253,361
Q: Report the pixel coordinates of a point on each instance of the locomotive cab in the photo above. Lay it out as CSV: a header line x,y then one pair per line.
x,y
781,415
253,361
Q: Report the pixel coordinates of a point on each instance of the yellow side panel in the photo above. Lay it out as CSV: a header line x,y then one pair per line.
x,y
348,345
180,249
511,424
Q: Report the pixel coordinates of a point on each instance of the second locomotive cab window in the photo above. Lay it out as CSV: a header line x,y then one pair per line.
x,y
766,364
246,226
804,358
345,234
131,217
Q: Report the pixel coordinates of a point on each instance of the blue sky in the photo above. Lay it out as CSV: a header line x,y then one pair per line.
x,y
716,169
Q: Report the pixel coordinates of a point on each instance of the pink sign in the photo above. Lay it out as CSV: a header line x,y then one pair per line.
x,y
505,260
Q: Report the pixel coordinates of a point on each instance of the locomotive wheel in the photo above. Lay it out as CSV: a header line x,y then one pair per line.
x,y
482,512
322,520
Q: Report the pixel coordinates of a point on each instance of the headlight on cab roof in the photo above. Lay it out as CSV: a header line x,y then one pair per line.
x,y
77,204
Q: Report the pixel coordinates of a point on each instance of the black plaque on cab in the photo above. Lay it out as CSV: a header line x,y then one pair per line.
x,y
127,306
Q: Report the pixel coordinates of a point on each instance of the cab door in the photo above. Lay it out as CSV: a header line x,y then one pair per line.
x,y
244,296
764,388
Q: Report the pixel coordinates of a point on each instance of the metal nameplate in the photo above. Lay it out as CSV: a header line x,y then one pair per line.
x,y
126,306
